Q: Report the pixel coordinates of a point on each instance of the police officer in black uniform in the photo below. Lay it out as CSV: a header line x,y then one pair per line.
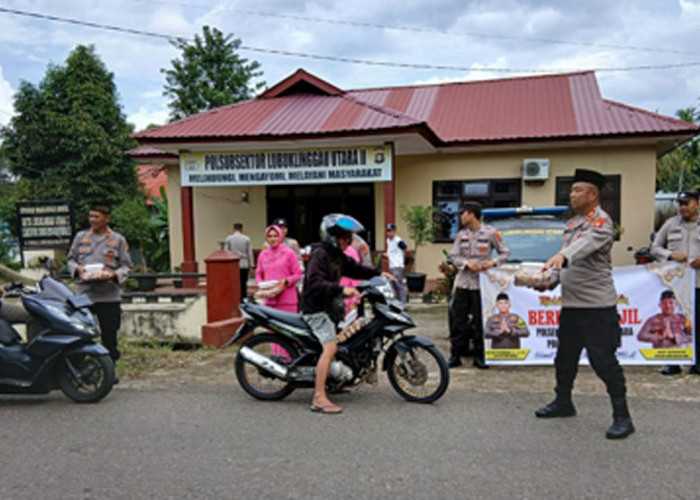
x,y
589,314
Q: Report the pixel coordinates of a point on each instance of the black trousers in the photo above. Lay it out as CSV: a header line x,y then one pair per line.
x,y
244,283
598,330
109,316
466,303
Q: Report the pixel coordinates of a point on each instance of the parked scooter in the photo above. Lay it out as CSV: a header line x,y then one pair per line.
x,y
271,365
63,355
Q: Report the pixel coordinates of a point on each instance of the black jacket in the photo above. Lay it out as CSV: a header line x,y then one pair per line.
x,y
326,265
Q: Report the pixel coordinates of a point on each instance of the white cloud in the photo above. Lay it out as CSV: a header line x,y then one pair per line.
x,y
27,44
6,106
145,117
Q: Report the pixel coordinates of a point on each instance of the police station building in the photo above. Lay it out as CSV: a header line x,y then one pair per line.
x,y
305,148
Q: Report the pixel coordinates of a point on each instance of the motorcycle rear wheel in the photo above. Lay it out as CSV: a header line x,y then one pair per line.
x,y
426,378
258,382
86,377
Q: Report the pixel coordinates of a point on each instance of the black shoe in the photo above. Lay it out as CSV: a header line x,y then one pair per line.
x,y
480,364
620,428
556,409
454,362
116,380
671,370
694,370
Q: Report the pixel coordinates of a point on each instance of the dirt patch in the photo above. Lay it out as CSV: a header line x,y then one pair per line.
x,y
215,367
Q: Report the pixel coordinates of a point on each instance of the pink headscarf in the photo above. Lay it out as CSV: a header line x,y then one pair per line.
x,y
279,232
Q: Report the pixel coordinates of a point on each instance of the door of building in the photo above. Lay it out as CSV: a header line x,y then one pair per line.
x,y
305,205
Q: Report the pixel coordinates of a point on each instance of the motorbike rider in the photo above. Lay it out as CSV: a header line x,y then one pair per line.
x,y
322,303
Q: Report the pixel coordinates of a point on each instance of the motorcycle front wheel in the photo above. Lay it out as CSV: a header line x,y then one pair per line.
x,y
86,377
258,382
421,376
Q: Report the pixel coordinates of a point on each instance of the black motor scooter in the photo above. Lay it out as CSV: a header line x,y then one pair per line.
x,y
63,355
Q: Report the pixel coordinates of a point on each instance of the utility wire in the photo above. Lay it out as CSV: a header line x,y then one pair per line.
x,y
414,29
343,59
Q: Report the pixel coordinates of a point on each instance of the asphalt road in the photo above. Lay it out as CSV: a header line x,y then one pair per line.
x,y
214,441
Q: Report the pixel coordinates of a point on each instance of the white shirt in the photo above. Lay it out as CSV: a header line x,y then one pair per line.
x,y
394,251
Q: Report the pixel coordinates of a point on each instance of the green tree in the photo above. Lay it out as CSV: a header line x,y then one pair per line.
x,y
208,74
146,230
421,225
680,169
69,135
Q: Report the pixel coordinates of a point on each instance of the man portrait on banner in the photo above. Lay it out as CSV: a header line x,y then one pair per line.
x,y
668,328
505,328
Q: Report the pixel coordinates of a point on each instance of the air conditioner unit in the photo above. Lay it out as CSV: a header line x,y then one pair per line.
x,y
535,169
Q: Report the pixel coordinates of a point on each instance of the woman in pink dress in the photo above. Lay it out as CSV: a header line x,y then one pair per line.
x,y
279,263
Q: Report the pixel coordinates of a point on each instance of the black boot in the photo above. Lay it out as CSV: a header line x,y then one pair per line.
x,y
560,407
480,363
622,421
454,362
671,370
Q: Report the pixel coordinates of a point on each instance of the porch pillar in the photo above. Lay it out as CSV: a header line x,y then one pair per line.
x,y
390,196
189,262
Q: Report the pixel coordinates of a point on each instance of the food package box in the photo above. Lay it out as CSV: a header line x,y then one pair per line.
x,y
92,270
531,274
269,288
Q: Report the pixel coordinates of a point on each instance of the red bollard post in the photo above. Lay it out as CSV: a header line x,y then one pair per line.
x,y
223,297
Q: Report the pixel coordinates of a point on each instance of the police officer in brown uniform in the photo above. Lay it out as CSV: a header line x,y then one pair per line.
x,y
589,315
666,329
101,245
679,240
505,328
471,254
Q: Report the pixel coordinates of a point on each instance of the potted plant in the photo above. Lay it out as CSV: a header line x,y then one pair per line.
x,y
421,229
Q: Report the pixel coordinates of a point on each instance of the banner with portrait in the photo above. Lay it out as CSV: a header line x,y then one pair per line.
x,y
655,304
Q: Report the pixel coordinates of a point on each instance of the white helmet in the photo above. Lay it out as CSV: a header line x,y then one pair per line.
x,y
335,225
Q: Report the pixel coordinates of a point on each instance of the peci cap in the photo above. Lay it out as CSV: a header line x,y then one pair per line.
x,y
280,222
667,294
391,226
687,195
502,296
589,176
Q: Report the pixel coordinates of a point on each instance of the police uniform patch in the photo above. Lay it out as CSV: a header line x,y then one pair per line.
x,y
599,222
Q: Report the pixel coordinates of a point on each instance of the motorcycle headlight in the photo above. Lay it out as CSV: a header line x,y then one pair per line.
x,y
387,290
79,325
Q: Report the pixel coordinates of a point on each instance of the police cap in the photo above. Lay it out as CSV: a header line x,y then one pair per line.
x,y
687,195
280,222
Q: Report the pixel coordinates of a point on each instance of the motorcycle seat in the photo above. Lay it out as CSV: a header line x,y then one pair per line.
x,y
286,317
8,335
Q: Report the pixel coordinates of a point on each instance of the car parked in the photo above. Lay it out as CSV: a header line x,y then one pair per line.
x,y
533,234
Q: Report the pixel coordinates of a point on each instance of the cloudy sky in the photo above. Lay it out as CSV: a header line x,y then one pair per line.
x,y
645,52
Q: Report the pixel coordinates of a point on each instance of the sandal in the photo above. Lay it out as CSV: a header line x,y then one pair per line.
x,y
330,409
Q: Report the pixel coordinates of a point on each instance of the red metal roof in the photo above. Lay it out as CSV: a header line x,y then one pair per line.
x,y
541,107
153,178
